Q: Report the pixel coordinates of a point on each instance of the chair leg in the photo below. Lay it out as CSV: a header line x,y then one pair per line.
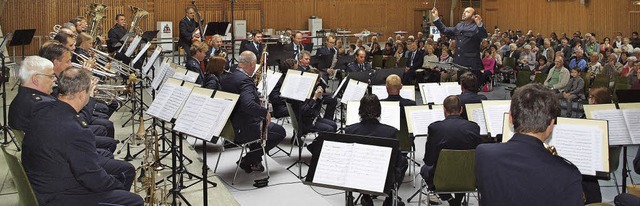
x,y
218,161
239,162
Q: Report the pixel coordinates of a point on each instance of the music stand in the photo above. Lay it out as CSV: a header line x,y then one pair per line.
x,y
391,144
626,96
4,126
147,36
214,28
380,76
362,76
21,38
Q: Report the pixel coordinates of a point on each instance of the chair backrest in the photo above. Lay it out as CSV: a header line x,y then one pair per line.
x,y
455,171
614,158
25,192
540,77
402,62
377,61
390,63
509,62
228,132
406,143
293,117
18,135
522,78
601,80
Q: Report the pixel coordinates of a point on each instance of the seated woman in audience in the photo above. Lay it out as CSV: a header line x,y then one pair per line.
x,y
574,91
212,72
399,51
489,64
623,58
388,50
447,75
631,65
593,67
606,44
542,66
375,49
496,55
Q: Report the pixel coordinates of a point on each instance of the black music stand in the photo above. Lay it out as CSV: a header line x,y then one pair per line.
x,y
214,28
5,76
147,36
22,38
626,96
356,139
380,76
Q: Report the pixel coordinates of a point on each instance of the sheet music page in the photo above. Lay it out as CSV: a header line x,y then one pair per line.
x,y
152,59
580,145
141,52
618,131
368,168
214,114
272,80
297,86
333,163
407,92
452,88
175,102
390,114
352,113
632,117
191,76
132,47
380,91
432,92
421,119
507,128
494,113
340,86
155,109
186,121
188,86
160,77
354,92
477,115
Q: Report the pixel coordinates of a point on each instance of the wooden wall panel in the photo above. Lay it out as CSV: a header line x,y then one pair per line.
x,y
600,16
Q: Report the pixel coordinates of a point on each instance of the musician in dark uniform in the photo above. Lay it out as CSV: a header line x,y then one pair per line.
x,y
394,85
249,116
469,95
215,48
369,125
454,132
295,46
522,171
469,34
359,65
329,55
188,28
116,33
59,154
196,56
256,45
275,97
332,103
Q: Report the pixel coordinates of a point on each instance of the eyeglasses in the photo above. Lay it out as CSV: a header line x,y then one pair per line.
x,y
51,76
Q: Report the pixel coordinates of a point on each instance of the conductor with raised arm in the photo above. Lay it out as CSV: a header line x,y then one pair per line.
x,y
468,33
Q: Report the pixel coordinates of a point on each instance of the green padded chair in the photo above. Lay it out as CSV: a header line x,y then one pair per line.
x,y
229,135
601,80
455,173
509,62
18,135
402,63
377,61
523,78
25,192
390,63
539,78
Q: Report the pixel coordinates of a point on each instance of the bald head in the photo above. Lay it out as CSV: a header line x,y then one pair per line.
x,y
468,13
247,62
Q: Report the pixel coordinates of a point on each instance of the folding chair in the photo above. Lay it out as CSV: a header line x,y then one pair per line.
x,y
455,173
25,192
296,139
390,63
228,134
540,77
377,61
18,135
407,147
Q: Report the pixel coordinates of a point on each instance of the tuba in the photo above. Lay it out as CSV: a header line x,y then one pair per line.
x,y
56,29
96,15
138,14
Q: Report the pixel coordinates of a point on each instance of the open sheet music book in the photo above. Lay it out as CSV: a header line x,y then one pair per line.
x,y
142,51
407,92
272,80
182,73
151,60
353,165
507,128
476,114
390,113
298,85
170,99
205,113
436,93
624,123
354,92
584,142
132,46
420,117
494,114
165,72
340,86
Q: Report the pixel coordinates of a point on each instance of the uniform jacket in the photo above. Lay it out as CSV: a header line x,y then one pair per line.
x,y
468,37
248,115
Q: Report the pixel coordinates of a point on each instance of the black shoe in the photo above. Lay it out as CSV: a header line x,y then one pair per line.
x,y
245,166
366,200
257,167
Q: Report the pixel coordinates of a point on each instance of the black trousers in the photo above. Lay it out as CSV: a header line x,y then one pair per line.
x,y
111,198
106,143
275,136
123,171
331,103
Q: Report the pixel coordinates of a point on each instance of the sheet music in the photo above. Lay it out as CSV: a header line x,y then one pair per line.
x,y
155,109
168,101
272,80
618,131
421,119
477,115
494,114
297,86
579,144
141,52
182,73
161,76
340,86
632,117
407,92
203,117
380,91
390,113
132,47
353,165
507,128
152,59
354,92
432,92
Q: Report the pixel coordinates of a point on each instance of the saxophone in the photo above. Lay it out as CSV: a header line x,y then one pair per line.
x,y
262,65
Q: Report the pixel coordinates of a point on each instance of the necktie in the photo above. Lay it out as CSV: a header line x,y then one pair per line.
x,y
413,54
361,67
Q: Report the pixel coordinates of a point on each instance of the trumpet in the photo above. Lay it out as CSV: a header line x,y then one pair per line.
x,y
116,65
56,29
84,58
94,71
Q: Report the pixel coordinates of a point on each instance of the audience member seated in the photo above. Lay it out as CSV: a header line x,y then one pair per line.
x,y
469,95
574,90
59,154
518,172
432,74
249,116
370,125
454,132
593,67
558,76
414,60
489,64
543,66
578,60
527,59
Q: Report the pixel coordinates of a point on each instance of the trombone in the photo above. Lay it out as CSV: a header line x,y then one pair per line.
x,y
116,65
95,71
84,58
